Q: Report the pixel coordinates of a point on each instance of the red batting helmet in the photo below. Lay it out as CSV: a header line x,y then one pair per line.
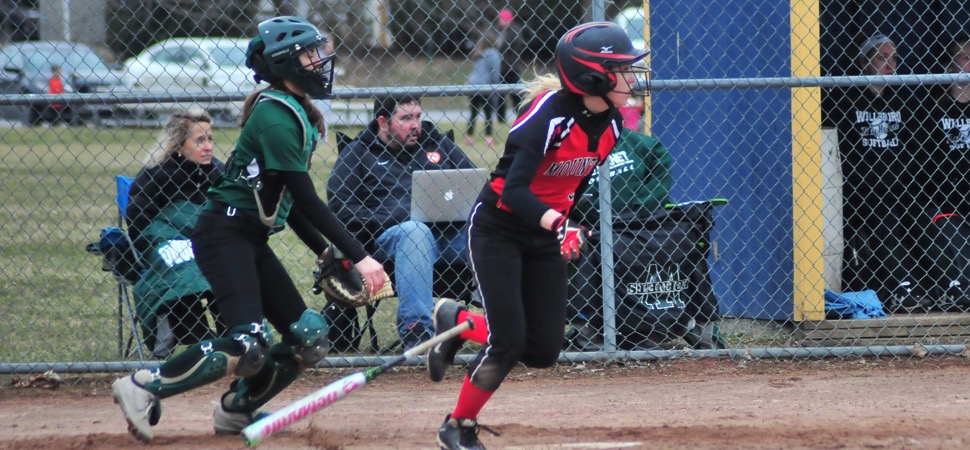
x,y
586,54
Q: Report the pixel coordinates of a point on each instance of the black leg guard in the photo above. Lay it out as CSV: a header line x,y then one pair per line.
x,y
248,394
304,345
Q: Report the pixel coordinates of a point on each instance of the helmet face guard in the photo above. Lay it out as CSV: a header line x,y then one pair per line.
x,y
315,77
590,56
640,87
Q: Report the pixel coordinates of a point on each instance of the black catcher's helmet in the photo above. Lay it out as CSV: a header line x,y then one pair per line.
x,y
275,55
586,54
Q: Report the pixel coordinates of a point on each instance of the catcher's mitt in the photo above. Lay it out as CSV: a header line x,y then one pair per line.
x,y
337,278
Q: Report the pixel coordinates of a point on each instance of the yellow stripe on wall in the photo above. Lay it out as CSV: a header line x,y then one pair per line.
x,y
809,302
647,101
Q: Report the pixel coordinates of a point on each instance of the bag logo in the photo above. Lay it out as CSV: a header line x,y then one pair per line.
x,y
662,289
175,252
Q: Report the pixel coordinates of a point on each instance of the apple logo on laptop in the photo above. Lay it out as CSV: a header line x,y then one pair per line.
x,y
449,195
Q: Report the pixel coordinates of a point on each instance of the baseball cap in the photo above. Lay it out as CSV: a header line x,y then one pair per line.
x,y
506,15
874,41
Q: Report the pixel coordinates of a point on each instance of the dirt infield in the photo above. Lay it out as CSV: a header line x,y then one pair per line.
x,y
696,404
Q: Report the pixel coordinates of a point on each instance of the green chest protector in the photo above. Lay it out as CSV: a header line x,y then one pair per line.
x,y
276,217
310,131
244,176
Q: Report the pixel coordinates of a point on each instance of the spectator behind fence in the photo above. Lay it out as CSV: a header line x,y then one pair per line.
x,y
513,46
946,225
57,112
632,114
370,191
880,133
164,202
950,130
485,71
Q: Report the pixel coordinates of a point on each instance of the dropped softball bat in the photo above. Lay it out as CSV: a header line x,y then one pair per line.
x,y
333,392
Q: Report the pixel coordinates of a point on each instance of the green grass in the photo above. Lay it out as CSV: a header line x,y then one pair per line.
x,y
58,185
59,191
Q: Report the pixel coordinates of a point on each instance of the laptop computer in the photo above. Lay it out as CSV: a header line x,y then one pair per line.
x,y
445,195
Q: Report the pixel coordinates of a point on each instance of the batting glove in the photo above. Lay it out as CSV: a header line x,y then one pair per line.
x,y
572,238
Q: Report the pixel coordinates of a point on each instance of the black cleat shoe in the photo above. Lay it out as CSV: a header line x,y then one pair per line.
x,y
443,355
904,300
955,299
461,434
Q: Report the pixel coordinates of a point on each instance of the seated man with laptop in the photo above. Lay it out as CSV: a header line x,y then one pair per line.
x,y
370,190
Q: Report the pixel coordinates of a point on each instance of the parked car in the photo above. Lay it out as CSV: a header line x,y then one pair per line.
x,y
631,19
26,69
186,66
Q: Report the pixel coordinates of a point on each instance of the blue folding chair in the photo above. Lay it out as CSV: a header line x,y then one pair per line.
x,y
121,259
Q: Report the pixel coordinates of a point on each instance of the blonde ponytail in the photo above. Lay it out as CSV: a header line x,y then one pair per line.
x,y
540,84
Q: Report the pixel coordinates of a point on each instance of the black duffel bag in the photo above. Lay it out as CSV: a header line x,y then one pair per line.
x,y
662,279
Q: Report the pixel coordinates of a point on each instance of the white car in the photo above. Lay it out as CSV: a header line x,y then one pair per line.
x,y
186,66
632,21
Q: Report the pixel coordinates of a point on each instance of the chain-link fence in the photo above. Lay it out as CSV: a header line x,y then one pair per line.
x,y
802,193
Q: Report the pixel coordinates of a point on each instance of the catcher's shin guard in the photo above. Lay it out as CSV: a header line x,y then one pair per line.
x,y
248,394
307,340
303,347
242,354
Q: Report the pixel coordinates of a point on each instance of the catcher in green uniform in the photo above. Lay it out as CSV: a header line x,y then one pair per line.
x,y
264,187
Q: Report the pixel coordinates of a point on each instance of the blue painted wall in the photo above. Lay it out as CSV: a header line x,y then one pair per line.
x,y
732,143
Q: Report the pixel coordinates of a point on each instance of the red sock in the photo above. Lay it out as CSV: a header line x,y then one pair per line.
x,y
478,334
471,400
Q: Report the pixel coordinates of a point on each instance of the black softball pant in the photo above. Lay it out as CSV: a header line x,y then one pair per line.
x,y
247,278
484,105
522,280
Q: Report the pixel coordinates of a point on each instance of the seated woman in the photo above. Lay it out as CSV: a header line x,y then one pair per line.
x,y
164,202
881,138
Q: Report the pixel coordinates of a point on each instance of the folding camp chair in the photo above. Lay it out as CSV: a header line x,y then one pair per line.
x,y
120,258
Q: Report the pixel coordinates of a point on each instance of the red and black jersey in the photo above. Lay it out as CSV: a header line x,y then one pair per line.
x,y
552,149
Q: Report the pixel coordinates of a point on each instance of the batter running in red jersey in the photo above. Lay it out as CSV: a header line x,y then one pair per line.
x,y
519,236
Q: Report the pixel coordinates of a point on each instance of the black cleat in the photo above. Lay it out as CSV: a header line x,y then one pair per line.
x,y
461,434
443,355
955,299
904,300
